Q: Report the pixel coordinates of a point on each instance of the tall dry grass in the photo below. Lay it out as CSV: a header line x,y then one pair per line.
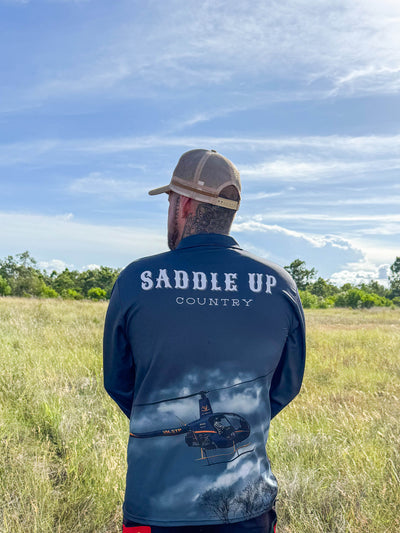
x,y
335,449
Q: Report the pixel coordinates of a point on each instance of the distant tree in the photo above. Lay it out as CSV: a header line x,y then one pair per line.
x,y
22,275
65,280
19,276
10,267
5,288
323,288
301,275
394,278
103,277
373,287
107,277
7,268
87,280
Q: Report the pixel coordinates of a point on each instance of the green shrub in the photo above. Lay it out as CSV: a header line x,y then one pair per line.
x,y
96,293
71,294
308,300
312,301
48,292
323,303
330,301
359,299
370,300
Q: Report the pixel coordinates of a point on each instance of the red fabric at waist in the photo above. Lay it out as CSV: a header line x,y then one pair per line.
x,y
136,529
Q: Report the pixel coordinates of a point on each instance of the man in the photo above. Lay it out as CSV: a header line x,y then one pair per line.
x,y
203,345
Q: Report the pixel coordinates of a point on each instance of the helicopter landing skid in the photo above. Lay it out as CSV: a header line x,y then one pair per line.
x,y
205,457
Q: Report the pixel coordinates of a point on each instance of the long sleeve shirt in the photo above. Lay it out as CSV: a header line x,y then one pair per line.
x,y
203,346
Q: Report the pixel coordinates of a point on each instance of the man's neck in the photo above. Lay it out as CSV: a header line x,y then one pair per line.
x,y
202,221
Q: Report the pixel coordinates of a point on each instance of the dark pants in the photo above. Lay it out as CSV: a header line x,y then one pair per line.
x,y
265,523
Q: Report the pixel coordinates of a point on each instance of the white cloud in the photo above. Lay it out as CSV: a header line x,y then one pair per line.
x,y
373,199
48,1
97,185
91,267
73,241
377,252
369,79
310,168
69,1
55,264
350,153
58,265
262,195
20,152
328,253
364,240
362,272
255,222
387,227
206,116
369,72
338,43
325,50
91,81
317,241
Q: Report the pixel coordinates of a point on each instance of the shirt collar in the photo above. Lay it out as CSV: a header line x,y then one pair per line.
x,y
208,239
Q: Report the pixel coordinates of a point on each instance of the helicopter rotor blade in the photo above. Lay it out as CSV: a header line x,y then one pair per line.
x,y
203,391
240,383
171,399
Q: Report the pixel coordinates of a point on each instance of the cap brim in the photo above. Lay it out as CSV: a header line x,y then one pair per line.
x,y
160,190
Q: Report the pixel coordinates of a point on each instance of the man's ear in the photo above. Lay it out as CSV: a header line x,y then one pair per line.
x,y
186,206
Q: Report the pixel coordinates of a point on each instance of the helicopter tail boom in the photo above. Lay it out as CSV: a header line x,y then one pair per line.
x,y
160,433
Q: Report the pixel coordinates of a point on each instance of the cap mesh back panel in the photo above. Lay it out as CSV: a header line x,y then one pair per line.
x,y
187,165
216,172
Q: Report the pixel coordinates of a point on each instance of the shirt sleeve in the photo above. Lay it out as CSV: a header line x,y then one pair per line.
x,y
118,363
288,376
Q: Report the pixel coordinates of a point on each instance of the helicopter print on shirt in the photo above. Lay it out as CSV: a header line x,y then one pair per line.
x,y
211,432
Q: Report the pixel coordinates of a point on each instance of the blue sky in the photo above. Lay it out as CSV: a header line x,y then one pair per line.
x,y
98,100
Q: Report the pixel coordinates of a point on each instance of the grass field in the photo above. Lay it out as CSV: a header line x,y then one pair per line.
x,y
335,450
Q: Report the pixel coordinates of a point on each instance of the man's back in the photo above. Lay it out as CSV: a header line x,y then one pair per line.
x,y
212,344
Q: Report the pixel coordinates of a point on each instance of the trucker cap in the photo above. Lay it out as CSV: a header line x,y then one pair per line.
x,y
202,175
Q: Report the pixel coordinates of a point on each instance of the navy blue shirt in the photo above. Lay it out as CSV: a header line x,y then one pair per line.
x,y
203,345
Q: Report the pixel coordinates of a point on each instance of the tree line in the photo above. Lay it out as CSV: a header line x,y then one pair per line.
x,y
20,276
320,293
